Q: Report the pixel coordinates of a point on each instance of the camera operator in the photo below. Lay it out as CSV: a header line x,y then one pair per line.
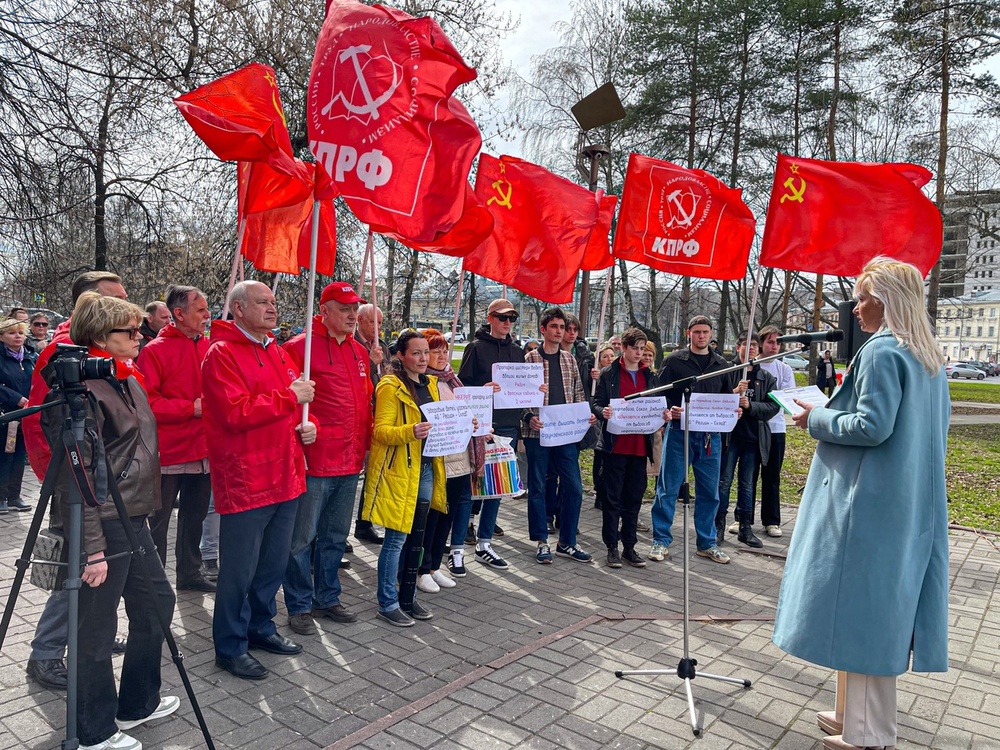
x,y
119,409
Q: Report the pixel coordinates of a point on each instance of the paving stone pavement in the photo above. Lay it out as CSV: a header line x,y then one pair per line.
x,y
526,658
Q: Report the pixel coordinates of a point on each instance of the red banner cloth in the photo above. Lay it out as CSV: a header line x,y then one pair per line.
x,y
240,118
383,122
542,225
468,234
598,255
683,221
833,217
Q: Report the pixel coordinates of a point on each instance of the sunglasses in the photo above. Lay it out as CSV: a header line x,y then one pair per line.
x,y
506,318
41,325
132,332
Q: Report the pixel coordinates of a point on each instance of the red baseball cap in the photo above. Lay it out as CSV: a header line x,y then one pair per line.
x,y
340,291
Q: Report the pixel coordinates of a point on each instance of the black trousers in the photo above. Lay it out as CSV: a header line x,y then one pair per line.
x,y
625,481
770,489
411,554
139,693
195,492
437,535
12,468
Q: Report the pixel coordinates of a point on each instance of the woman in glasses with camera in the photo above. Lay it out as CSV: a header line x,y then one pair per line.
x,y
124,430
17,362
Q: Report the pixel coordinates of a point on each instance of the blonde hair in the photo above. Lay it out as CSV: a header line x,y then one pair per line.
x,y
899,288
13,324
95,315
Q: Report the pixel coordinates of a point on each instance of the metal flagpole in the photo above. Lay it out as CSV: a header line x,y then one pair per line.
x,y
753,310
310,294
371,259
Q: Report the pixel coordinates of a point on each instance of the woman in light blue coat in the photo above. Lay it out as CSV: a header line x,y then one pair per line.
x,y
866,581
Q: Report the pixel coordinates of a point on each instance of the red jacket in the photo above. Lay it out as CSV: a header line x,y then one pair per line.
x,y
343,404
171,367
250,414
39,453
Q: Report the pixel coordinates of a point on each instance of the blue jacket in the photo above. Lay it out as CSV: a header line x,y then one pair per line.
x,y
867,569
15,377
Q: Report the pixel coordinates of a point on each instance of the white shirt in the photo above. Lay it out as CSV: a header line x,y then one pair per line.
x,y
786,379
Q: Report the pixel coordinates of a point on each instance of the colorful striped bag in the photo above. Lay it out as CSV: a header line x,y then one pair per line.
x,y
500,476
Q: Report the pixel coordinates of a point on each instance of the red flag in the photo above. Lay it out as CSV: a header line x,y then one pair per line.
x,y
598,254
683,221
542,223
383,121
833,217
277,238
239,117
468,234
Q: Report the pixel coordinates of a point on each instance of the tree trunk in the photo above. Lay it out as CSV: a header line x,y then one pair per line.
x,y
472,305
934,285
100,183
411,280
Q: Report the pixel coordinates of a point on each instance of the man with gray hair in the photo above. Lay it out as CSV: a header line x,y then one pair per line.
x,y
367,334
157,318
171,369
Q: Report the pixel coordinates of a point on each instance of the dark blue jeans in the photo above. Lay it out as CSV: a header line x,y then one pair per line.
x,y
460,504
324,516
746,456
253,556
565,460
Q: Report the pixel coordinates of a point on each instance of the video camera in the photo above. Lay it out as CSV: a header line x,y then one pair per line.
x,y
72,365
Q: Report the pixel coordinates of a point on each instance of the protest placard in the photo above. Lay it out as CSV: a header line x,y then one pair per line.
x,y
713,412
519,383
564,424
640,416
451,427
479,399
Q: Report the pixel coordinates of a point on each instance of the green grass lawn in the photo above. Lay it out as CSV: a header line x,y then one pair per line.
x,y
984,393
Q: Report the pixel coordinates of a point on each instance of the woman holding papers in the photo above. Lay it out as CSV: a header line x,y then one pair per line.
x,y
865,588
403,486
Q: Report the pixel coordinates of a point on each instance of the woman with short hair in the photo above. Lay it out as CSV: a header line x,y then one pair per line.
x,y
17,362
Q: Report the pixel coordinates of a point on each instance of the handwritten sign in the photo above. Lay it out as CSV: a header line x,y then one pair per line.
x,y
451,427
519,383
640,416
564,424
810,394
713,412
480,403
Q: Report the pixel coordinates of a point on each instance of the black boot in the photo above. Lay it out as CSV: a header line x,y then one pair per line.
x,y
720,532
747,536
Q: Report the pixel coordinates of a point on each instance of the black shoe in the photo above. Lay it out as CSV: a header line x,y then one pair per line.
x,y
633,558
417,612
550,526
348,549
50,673
497,531
397,617
276,644
614,558
210,570
747,536
19,504
243,666
367,534
345,564
119,646
196,584
720,533
337,613
470,535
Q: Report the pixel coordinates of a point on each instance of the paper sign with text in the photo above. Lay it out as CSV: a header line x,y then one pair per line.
x,y
640,416
564,424
451,427
480,402
809,394
519,383
713,412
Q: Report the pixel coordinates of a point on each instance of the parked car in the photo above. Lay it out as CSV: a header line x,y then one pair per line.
x,y
962,370
988,367
796,362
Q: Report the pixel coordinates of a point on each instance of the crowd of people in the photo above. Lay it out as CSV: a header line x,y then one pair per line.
x,y
266,469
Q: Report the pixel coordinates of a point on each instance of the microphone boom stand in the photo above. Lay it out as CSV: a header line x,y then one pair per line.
x,y
687,667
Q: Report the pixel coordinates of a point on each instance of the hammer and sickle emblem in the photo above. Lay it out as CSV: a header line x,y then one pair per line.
x,y
501,198
371,104
794,195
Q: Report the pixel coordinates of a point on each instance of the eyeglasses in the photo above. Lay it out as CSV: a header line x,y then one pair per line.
x,y
40,325
132,332
505,318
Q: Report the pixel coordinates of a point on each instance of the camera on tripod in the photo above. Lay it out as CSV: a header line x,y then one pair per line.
x,y
72,365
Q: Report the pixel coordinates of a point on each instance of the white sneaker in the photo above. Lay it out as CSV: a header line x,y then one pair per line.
x,y
443,580
657,552
734,528
168,704
117,741
773,530
426,584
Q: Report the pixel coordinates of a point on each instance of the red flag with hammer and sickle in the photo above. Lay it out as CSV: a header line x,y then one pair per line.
x,y
542,227
833,217
383,122
683,221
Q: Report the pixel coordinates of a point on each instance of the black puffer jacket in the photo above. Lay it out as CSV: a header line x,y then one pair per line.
x,y
15,377
477,367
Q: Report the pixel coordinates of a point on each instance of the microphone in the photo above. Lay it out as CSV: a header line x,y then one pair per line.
x,y
805,339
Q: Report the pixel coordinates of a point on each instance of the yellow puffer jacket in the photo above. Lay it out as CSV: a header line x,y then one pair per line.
x,y
393,474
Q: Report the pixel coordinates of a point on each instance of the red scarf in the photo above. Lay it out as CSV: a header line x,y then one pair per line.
x,y
123,370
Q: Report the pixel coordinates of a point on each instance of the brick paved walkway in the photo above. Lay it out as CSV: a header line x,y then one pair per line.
x,y
526,659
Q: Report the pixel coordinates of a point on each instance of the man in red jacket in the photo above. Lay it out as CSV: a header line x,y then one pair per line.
x,y
251,396
171,368
343,409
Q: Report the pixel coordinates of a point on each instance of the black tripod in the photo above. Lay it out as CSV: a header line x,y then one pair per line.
x,y
74,394
686,667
